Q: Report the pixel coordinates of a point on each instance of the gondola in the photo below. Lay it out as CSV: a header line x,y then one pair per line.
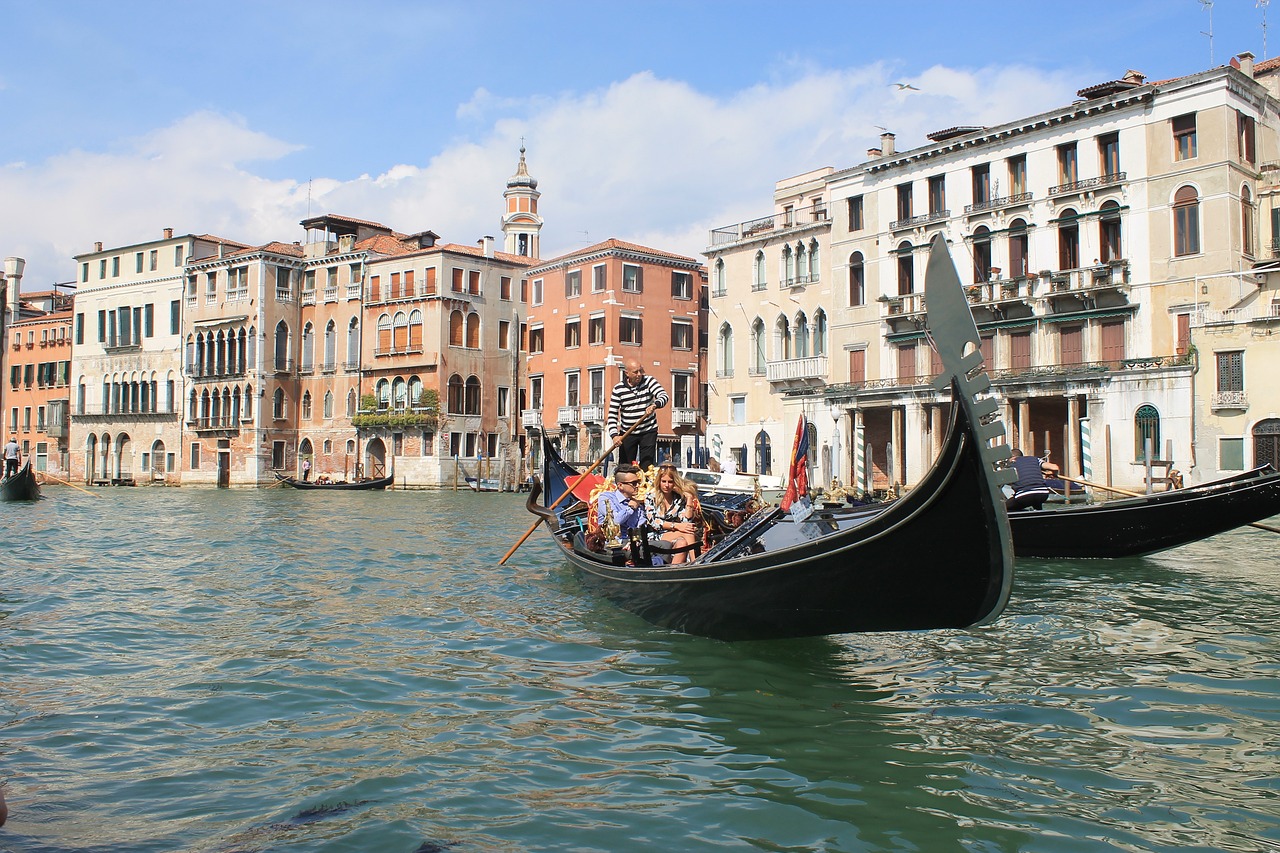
x,y
1133,527
22,486
354,485
939,557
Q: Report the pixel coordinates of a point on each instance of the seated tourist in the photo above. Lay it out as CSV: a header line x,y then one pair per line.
x,y
628,510
670,511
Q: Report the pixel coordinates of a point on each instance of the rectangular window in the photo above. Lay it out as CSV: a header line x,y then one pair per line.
x,y
1230,454
595,378
177,256
175,316
1112,334
536,338
937,195
630,330
504,288
84,271
632,279
595,329
149,320
738,410
1020,350
572,334
1246,134
535,392
981,176
115,266
277,454
855,213
906,364
857,366
681,335
459,283
102,327
904,201
599,278
681,383
1071,345
504,401
681,285
473,286
1230,371
153,259
79,329
195,456
1068,167
571,388
504,334
1109,154
573,284
137,262
1017,175
1184,137
537,291
1184,334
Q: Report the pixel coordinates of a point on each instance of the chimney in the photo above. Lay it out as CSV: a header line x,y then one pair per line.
x,y
1246,64
873,153
346,243
13,268
886,143
97,246
168,233
486,243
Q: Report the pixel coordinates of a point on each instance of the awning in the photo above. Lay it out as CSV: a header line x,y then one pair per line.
x,y
1091,315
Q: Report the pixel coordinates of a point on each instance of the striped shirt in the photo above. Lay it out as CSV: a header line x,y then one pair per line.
x,y
627,405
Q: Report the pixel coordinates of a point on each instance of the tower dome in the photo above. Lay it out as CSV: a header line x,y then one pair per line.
x,y
521,223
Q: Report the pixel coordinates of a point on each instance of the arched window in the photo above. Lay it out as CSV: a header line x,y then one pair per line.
x,y
473,330
384,333
781,338
1186,222
277,404
1246,220
857,280
471,404
383,392
400,332
306,406
1109,244
820,332
455,329
455,395
308,354
758,357
815,271
720,285
282,346
1019,245
353,344
759,277
330,345
981,254
788,266
399,393
246,411
415,330
764,454
328,405
1068,240
725,366
415,391
351,403
1266,443
802,264
802,336
1146,426
906,269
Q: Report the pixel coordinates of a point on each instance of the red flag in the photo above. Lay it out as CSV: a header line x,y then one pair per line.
x,y
798,472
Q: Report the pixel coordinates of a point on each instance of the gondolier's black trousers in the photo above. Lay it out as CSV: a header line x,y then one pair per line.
x,y
641,447
11,466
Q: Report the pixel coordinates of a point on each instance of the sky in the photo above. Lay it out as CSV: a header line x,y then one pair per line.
x,y
651,122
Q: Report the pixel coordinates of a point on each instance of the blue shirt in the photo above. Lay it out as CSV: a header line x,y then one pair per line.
x,y
624,515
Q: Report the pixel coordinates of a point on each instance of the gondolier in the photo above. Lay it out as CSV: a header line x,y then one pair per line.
x,y
12,455
632,403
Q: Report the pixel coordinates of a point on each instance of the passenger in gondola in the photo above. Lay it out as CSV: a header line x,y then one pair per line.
x,y
669,509
1030,490
628,509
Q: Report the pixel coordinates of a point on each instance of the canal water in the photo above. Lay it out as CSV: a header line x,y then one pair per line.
x,y
192,670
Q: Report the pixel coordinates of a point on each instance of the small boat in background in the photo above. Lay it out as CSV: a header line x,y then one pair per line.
x,y
22,486
742,484
349,486
484,484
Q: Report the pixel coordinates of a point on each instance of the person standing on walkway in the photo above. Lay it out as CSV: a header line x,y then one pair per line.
x,y
12,455
633,401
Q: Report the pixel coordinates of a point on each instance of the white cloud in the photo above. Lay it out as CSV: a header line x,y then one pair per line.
x,y
645,159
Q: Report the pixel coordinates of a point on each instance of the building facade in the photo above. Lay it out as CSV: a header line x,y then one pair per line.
x,y
1081,236
591,310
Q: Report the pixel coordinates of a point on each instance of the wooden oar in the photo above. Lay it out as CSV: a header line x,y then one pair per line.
x,y
1132,494
572,486
49,476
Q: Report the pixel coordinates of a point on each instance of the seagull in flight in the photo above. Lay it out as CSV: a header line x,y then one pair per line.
x,y
901,86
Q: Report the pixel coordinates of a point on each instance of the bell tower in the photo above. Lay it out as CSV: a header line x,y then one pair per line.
x,y
521,223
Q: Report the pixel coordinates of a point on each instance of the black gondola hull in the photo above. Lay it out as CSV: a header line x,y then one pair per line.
x,y
1133,527
355,486
22,486
933,559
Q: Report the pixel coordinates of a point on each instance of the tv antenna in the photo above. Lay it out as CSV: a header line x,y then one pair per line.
x,y
1262,4
1208,5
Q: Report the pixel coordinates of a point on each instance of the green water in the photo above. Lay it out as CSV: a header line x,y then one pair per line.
x,y
188,670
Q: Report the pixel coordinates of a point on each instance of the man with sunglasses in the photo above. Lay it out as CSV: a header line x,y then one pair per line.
x,y
628,510
633,401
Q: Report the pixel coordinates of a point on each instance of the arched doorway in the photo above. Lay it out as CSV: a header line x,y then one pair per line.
x,y
104,458
157,460
91,458
764,454
375,458
1266,443
306,454
123,469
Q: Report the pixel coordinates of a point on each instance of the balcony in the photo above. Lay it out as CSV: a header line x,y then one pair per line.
x,y
767,225
1089,184
221,423
593,414
531,418
997,203
799,371
308,297
350,366
922,219
682,417
199,373
283,365
284,294
331,294
1112,275
353,291
568,416
1229,400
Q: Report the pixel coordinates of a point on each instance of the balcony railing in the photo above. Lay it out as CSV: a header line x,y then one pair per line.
x,y
222,422
684,417
353,291
798,369
593,414
284,294
1089,183
922,219
308,297
283,365
531,418
1205,316
199,372
1230,400
568,415
996,203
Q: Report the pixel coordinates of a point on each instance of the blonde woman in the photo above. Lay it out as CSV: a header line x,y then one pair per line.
x,y
670,510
